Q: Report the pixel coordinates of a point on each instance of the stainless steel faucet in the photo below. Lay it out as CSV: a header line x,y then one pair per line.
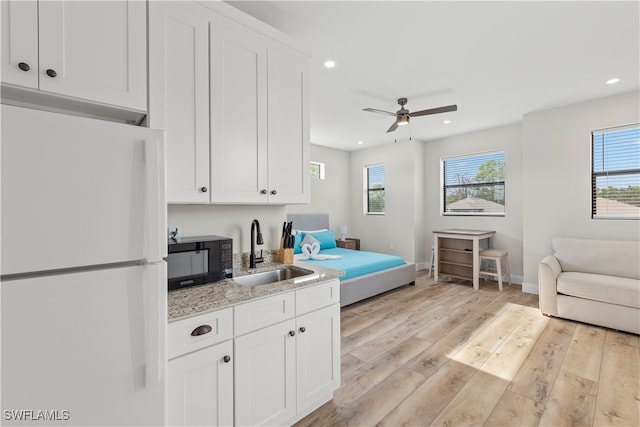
x,y
253,260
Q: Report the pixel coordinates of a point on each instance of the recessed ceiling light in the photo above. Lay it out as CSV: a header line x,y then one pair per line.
x,y
613,81
329,64
360,142
446,122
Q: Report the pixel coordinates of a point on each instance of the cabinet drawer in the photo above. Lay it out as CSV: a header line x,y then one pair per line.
x,y
197,332
315,297
263,312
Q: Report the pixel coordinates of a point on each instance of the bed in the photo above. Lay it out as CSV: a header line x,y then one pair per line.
x,y
367,274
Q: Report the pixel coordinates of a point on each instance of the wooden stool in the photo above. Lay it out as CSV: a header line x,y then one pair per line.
x,y
496,255
431,265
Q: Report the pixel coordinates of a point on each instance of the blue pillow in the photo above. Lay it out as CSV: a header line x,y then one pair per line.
x,y
297,249
326,238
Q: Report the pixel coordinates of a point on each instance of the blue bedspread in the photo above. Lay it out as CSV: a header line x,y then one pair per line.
x,y
357,263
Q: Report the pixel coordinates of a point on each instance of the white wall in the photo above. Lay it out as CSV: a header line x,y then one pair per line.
x,y
398,227
330,195
557,176
508,228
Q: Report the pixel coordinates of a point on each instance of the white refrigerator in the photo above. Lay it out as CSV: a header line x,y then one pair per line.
x,y
83,290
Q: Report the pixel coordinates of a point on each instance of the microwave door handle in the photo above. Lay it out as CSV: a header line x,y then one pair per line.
x,y
156,210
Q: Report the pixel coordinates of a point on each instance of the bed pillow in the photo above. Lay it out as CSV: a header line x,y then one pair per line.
x,y
308,239
309,231
297,244
326,239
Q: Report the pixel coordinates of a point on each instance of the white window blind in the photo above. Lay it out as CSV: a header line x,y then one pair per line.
x,y
375,189
474,184
615,173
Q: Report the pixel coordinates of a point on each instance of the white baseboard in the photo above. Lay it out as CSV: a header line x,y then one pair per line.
x,y
421,266
530,288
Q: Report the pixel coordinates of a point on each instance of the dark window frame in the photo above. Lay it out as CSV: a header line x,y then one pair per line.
x,y
371,191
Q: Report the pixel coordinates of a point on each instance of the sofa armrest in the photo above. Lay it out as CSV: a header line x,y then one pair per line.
x,y
548,271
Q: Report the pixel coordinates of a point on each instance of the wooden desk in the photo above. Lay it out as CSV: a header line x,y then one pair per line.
x,y
457,253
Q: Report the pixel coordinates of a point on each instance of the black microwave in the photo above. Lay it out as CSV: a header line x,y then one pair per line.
x,y
197,260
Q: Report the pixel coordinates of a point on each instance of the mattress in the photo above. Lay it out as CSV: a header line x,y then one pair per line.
x,y
357,263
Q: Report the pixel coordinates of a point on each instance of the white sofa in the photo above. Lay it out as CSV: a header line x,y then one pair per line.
x,y
592,281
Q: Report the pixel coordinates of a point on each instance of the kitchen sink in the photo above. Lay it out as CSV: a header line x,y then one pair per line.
x,y
272,276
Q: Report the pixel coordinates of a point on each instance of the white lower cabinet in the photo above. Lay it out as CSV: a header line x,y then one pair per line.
x,y
201,387
200,370
265,376
288,369
318,356
282,363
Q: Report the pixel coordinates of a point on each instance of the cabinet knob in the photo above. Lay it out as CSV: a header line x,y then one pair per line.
x,y
201,330
24,66
274,192
263,191
292,333
302,329
226,359
51,73
204,189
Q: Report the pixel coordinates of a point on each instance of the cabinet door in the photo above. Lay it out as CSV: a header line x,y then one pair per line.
x,y
179,95
201,387
97,50
318,355
265,392
19,42
289,176
238,114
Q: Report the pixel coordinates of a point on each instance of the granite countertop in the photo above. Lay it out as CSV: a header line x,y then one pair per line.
x,y
183,303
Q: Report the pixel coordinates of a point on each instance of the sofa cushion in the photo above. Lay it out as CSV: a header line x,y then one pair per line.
x,y
597,287
607,257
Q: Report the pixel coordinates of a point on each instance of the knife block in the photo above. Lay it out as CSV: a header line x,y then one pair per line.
x,y
286,255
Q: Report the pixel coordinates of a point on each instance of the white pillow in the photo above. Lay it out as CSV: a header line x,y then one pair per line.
x,y
308,238
309,231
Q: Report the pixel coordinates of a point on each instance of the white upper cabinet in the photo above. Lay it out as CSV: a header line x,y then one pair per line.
x,y
91,50
20,42
288,128
238,114
259,118
179,95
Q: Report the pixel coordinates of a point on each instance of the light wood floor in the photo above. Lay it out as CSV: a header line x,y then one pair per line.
x,y
442,354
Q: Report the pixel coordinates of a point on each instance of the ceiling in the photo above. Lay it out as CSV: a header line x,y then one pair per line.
x,y
496,60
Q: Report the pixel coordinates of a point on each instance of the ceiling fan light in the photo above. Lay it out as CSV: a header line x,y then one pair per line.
x,y
403,120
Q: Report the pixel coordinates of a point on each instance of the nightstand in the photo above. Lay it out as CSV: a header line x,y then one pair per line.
x,y
349,243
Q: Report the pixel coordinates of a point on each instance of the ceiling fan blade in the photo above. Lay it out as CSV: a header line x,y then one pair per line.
x,y
393,127
374,110
434,111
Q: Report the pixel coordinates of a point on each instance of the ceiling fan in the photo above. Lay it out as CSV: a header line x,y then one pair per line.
x,y
402,115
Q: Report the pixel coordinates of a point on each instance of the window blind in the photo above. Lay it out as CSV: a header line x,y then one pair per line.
x,y
375,189
474,184
615,173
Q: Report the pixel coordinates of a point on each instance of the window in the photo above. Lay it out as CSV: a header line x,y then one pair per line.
x,y
317,170
615,173
374,178
473,184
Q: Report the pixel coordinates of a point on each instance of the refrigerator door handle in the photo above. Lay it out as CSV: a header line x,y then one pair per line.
x,y
156,319
156,200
